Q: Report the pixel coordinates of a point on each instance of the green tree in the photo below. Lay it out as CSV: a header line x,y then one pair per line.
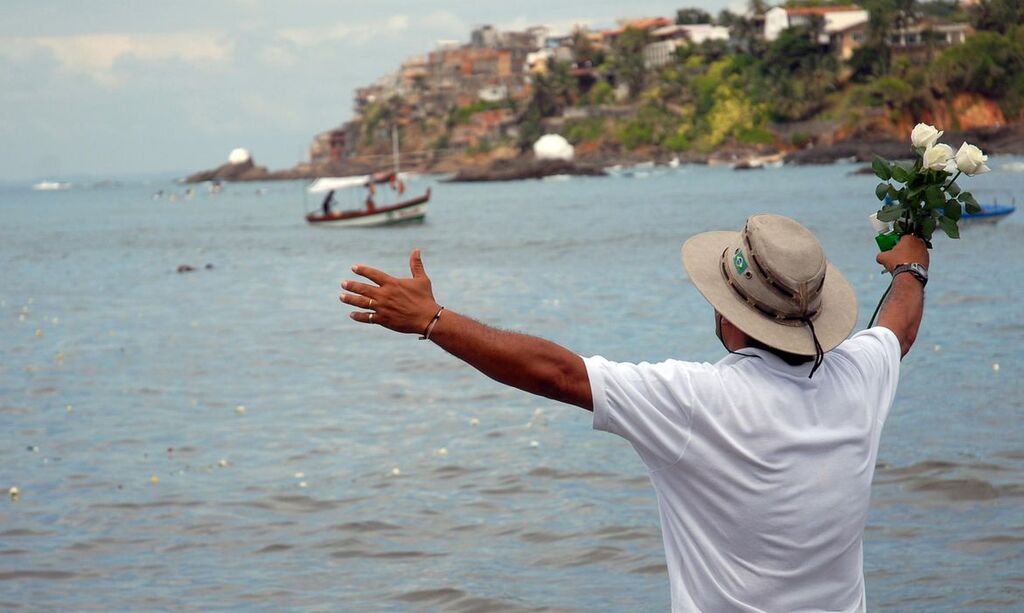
x,y
744,34
797,75
552,92
583,51
689,16
988,63
628,59
997,15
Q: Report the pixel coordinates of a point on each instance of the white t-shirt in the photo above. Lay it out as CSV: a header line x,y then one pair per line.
x,y
763,476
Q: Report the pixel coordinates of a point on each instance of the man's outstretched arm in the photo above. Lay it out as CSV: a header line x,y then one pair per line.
x,y
904,306
526,362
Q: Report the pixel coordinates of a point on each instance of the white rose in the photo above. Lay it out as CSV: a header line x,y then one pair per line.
x,y
939,157
971,161
924,136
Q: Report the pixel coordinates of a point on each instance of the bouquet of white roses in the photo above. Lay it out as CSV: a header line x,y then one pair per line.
x,y
924,195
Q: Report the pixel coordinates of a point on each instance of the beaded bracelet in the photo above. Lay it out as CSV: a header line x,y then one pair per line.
x,y
430,326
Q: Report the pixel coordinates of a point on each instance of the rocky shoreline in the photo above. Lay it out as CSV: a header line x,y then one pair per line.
x,y
1001,140
526,168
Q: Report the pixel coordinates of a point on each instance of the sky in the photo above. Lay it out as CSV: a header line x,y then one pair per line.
x,y
108,88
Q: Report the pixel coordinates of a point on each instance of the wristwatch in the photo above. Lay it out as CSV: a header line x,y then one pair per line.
x,y
920,272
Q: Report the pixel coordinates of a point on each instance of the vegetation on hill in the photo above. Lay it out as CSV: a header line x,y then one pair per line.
x,y
748,92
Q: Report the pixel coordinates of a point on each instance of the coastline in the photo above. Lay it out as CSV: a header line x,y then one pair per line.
x,y
506,165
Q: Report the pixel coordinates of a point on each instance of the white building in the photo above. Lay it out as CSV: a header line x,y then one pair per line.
x,y
837,19
696,33
672,37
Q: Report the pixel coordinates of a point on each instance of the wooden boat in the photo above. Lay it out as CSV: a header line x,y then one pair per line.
x,y
408,211
405,211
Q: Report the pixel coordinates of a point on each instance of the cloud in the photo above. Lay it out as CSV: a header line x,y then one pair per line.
x,y
355,33
96,55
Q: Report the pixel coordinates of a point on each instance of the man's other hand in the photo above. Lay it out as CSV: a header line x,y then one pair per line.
x,y
400,304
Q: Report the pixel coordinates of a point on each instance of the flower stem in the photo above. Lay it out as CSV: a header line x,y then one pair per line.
x,y
958,173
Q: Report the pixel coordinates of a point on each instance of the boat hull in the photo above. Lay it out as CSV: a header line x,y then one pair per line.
x,y
410,211
990,213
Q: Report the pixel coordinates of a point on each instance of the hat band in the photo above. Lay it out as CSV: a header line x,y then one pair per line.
x,y
778,316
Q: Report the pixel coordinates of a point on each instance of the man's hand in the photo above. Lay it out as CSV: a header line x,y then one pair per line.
x,y
399,304
910,250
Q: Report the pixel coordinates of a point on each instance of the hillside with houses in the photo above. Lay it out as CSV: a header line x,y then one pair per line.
x,y
791,79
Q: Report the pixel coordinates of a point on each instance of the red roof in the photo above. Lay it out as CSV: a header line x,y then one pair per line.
x,y
648,23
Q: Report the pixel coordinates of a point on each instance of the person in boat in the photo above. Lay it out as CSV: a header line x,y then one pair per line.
x,y
326,204
370,192
763,461
396,183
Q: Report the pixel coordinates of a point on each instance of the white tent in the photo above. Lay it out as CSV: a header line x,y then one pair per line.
x,y
553,147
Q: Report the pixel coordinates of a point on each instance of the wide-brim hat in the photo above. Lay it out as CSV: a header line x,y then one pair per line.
x,y
772,281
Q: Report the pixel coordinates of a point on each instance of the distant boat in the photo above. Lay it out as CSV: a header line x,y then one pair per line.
x,y
50,186
407,211
990,213
373,214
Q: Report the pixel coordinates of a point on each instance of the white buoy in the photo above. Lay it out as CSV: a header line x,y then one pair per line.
x,y
443,452
534,444
222,462
553,147
240,409
937,348
395,472
302,484
300,475
474,422
995,367
14,493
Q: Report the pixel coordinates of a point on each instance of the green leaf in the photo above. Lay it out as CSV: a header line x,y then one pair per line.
x,y
952,210
972,207
890,213
967,198
928,228
953,189
933,197
900,173
949,226
881,190
881,167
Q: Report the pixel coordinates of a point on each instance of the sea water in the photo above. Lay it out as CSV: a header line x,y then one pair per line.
x,y
229,438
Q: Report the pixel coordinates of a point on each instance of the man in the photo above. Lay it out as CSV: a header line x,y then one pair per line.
x,y
763,461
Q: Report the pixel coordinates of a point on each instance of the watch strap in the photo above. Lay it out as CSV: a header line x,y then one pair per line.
x,y
917,270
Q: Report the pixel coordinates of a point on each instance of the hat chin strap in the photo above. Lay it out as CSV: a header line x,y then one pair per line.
x,y
819,355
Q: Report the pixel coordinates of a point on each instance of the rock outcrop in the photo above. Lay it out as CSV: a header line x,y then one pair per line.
x,y
526,168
